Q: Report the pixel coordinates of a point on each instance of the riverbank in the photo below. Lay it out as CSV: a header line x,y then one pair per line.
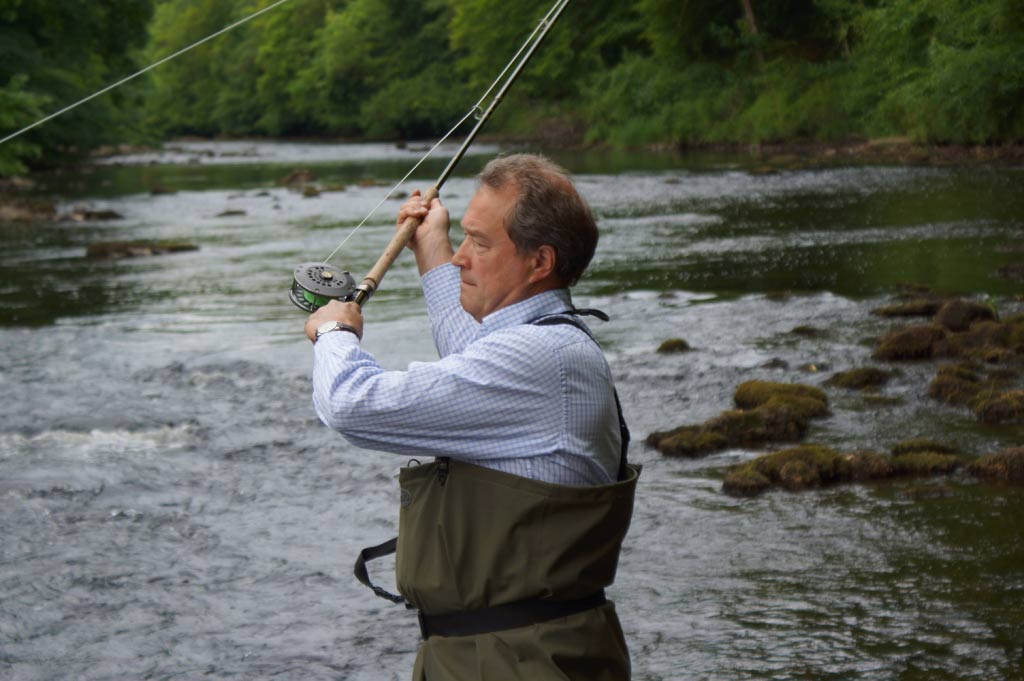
x,y
27,198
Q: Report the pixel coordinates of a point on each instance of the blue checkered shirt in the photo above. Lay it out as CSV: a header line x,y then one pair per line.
x,y
535,401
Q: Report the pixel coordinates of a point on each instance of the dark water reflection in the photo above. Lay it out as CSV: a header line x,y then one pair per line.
x,y
170,508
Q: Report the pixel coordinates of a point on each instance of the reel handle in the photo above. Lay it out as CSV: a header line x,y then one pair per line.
x,y
391,252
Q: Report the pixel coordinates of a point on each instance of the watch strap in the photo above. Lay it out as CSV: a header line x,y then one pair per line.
x,y
338,326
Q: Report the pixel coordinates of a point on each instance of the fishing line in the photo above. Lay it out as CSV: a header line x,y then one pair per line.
x,y
475,111
139,73
315,284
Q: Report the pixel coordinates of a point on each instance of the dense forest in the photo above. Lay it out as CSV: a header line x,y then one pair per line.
x,y
652,72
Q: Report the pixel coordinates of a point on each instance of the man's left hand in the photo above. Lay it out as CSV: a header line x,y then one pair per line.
x,y
335,311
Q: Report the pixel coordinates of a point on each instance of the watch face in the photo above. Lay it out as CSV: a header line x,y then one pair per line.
x,y
325,327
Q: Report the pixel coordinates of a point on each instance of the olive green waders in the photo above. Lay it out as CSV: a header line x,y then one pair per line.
x,y
472,538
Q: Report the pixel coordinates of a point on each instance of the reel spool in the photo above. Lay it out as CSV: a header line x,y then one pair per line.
x,y
315,284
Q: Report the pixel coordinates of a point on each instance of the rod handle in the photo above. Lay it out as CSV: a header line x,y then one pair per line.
x,y
391,252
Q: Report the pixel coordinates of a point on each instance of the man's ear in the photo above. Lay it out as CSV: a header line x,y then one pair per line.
x,y
544,261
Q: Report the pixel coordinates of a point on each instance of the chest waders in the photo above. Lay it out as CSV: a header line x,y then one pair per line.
x,y
507,574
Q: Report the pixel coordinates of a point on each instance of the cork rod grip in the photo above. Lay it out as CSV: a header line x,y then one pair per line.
x,y
391,252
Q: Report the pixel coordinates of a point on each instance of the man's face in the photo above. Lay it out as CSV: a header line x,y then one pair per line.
x,y
493,274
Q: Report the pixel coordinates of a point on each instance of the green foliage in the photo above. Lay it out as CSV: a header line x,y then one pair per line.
x,y
54,52
652,72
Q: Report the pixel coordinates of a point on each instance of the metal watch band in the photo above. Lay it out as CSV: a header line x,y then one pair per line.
x,y
338,326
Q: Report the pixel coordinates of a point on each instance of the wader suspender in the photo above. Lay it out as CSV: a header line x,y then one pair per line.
x,y
509,615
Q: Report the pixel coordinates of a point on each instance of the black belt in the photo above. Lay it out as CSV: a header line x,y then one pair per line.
x,y
501,617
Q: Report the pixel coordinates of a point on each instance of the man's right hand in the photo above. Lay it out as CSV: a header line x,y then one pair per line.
x,y
430,242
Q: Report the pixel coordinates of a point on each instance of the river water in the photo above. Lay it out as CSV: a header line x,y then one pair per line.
x,y
170,507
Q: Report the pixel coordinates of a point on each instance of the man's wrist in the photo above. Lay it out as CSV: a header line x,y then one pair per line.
x,y
328,327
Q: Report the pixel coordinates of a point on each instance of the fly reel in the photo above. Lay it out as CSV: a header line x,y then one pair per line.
x,y
315,284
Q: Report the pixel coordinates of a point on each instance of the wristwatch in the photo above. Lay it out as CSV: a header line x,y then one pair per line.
x,y
327,327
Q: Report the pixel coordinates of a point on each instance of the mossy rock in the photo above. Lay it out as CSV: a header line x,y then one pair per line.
x,y
859,379
921,307
922,444
310,192
113,250
690,442
869,465
1004,466
752,394
770,412
674,345
958,315
745,482
909,343
1007,407
956,383
795,468
917,464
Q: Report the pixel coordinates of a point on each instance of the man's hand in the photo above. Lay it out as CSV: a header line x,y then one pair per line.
x,y
335,311
430,242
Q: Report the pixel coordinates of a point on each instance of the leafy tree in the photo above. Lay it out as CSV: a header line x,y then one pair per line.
x,y
55,52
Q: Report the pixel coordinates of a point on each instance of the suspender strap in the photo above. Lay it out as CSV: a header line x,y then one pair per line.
x,y
372,553
501,617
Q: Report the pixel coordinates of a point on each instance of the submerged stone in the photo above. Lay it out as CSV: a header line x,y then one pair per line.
x,y
859,379
673,345
113,250
1004,466
297,177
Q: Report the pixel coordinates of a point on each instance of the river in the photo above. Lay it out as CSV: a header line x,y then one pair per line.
x,y
171,508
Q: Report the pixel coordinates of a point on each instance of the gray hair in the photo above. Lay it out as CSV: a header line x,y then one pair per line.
x,y
548,211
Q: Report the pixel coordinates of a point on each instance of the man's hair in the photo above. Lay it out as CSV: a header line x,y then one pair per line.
x,y
548,211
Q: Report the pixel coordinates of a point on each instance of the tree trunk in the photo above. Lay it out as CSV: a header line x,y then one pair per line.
x,y
748,11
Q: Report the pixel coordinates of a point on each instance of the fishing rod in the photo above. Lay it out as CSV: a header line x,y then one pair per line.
x,y
314,284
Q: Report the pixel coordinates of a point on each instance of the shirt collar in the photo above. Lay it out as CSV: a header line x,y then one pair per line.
x,y
525,311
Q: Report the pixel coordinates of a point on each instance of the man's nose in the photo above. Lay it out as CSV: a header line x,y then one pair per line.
x,y
459,259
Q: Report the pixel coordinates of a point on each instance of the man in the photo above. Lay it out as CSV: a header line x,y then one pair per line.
x,y
508,539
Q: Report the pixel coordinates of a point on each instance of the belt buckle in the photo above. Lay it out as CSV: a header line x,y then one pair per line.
x,y
424,630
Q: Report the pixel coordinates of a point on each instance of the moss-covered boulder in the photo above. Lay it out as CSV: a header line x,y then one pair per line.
x,y
1007,407
112,250
869,465
955,384
673,345
918,464
809,466
768,412
687,441
922,444
753,394
912,342
919,307
863,378
795,468
1004,466
957,315
923,456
